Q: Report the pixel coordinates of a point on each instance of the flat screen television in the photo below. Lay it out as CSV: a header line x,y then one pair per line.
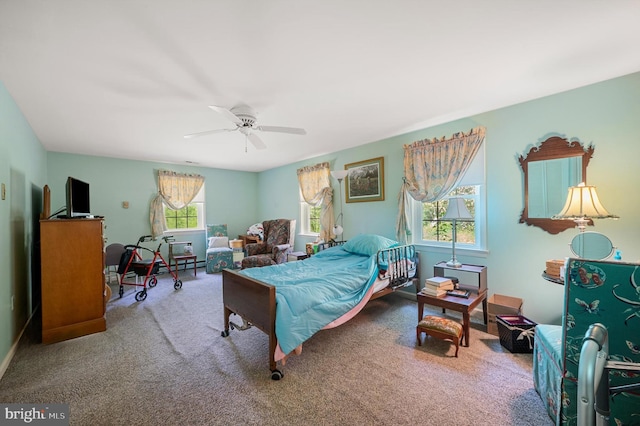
x,y
77,198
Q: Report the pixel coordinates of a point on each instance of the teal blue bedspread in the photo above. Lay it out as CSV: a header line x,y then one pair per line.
x,y
314,292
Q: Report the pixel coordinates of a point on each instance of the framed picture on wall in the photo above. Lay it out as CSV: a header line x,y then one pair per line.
x,y
365,181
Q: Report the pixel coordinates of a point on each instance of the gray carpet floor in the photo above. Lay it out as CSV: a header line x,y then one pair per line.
x,y
163,362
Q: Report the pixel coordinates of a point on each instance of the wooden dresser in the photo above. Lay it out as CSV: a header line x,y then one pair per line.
x,y
73,289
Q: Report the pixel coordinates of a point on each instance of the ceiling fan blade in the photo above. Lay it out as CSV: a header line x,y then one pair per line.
x,y
279,129
208,132
228,114
256,141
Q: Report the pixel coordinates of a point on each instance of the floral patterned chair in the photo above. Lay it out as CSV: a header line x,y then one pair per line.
x,y
219,254
604,292
275,247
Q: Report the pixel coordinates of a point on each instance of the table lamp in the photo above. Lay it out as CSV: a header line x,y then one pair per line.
x,y
456,210
583,204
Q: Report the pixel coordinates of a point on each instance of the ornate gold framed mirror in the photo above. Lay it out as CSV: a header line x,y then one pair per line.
x,y
549,170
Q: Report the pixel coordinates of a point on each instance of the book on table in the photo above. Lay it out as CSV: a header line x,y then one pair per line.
x,y
432,285
438,282
432,292
458,293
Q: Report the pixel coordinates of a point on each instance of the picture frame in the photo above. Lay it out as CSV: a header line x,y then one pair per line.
x,y
365,181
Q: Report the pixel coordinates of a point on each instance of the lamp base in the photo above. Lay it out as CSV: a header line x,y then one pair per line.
x,y
453,263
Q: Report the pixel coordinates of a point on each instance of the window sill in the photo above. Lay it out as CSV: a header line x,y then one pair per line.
x,y
310,235
184,231
447,250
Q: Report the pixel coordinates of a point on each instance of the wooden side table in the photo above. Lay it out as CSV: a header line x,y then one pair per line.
x,y
459,304
185,256
441,269
248,239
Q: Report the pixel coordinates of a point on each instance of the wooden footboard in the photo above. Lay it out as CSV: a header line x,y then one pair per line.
x,y
255,302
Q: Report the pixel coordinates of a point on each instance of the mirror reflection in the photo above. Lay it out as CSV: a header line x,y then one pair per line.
x,y
592,245
548,183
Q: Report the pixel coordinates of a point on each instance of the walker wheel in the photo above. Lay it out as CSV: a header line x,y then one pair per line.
x,y
141,295
177,284
276,375
225,333
153,281
121,291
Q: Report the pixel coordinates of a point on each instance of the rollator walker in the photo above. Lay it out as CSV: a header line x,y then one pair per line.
x,y
131,260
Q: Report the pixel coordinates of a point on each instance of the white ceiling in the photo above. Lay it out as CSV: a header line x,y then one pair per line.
x,y
127,79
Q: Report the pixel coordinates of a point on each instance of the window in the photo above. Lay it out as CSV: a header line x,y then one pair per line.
x,y
436,229
309,218
188,218
427,226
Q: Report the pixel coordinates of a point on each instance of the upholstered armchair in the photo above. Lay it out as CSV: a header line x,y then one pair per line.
x,y
273,249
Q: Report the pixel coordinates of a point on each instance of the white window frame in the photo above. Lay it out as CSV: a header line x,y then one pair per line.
x,y
199,201
305,218
475,176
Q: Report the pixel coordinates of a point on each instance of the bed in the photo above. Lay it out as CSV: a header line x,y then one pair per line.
x,y
292,301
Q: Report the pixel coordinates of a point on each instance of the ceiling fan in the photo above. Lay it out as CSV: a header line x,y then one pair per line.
x,y
244,117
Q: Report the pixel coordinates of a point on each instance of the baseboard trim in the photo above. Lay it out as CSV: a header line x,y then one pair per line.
x,y
14,347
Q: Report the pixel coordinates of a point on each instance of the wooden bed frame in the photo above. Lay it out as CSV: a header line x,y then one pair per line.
x,y
255,301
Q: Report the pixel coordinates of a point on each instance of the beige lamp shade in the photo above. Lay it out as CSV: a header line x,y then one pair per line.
x,y
583,202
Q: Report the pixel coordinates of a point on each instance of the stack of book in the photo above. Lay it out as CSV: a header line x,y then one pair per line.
x,y
437,286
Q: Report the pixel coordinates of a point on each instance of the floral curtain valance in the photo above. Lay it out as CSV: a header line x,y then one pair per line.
x,y
177,190
315,186
433,167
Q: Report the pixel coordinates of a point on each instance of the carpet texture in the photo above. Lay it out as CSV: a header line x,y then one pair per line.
x,y
163,361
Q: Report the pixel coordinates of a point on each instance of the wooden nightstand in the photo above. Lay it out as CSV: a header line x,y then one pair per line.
x,y
248,239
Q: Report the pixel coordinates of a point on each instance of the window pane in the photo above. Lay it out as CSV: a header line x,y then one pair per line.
x,y
436,229
188,217
185,218
314,219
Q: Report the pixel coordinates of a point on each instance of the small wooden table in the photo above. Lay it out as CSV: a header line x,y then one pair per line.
x,y
248,239
178,257
458,304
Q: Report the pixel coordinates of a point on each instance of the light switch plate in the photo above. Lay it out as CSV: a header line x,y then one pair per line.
x,y
4,192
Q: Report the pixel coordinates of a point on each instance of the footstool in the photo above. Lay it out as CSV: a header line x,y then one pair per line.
x,y
441,328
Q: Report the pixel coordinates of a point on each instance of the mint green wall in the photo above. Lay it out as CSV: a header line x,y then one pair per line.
x,y
605,114
231,196
23,170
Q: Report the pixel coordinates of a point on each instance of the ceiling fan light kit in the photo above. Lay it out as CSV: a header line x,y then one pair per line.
x,y
245,118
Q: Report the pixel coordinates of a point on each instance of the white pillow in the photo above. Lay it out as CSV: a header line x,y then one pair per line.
x,y
215,242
